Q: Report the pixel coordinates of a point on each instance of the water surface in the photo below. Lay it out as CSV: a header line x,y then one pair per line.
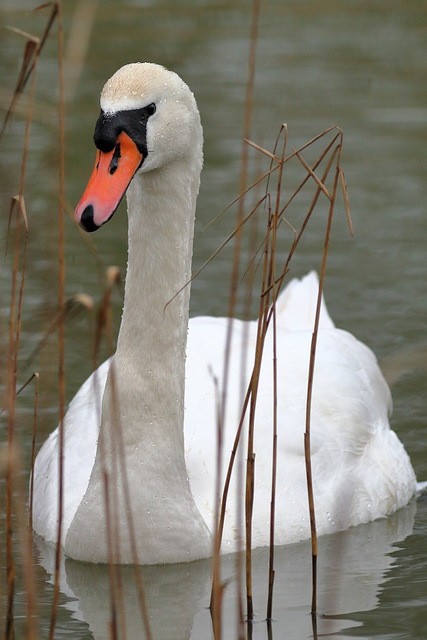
x,y
362,66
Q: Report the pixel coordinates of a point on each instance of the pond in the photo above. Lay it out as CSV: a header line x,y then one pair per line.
x,y
359,65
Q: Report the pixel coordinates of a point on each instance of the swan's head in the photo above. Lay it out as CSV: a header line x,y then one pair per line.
x,y
149,119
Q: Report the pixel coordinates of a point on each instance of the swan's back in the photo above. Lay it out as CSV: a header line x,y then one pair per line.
x,y
361,470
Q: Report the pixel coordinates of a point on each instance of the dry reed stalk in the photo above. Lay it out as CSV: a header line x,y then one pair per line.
x,y
216,594
12,366
118,620
75,303
321,188
249,276
298,235
31,591
248,393
113,626
35,376
61,298
275,221
30,56
104,323
33,48
20,516
250,467
27,548
122,474
217,586
268,282
11,385
111,496
117,625
78,43
346,201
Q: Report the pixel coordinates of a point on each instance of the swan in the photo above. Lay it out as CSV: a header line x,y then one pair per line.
x,y
140,434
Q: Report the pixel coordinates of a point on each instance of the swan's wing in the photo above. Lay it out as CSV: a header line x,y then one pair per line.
x,y
81,428
361,470
204,379
296,305
360,458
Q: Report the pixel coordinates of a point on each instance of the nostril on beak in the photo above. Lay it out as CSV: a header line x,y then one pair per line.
x,y
86,219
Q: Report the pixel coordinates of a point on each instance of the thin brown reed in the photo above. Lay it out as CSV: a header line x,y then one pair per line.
x,y
71,306
104,324
19,263
111,497
122,474
61,298
33,48
271,573
10,465
216,594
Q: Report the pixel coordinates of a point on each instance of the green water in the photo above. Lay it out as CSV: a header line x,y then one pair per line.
x,y
360,65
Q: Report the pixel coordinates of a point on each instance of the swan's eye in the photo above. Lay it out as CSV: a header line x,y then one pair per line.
x,y
115,159
150,109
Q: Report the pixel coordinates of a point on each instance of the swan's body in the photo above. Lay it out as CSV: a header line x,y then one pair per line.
x,y
126,422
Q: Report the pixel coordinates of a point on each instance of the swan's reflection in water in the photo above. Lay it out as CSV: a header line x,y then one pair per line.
x,y
352,565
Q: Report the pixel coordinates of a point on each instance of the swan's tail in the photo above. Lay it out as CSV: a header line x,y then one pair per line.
x,y
296,306
421,488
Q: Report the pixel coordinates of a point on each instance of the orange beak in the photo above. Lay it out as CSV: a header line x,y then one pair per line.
x,y
108,183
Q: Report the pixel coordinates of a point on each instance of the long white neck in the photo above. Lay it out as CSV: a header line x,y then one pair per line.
x,y
141,445
150,357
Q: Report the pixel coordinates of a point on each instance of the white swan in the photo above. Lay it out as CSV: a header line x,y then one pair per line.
x,y
149,141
